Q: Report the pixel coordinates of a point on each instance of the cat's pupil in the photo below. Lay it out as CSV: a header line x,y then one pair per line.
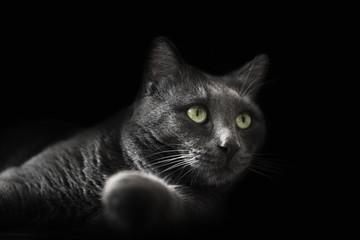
x,y
243,118
197,112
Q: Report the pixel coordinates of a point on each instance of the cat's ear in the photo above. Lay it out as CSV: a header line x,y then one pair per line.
x,y
249,77
164,64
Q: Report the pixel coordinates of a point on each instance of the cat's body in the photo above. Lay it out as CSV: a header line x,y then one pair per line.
x,y
153,164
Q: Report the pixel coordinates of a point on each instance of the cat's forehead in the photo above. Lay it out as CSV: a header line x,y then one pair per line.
x,y
209,90
221,90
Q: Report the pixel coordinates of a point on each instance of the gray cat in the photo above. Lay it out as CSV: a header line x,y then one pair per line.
x,y
169,159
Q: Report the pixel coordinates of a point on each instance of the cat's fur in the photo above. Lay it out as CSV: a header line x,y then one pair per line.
x,y
150,165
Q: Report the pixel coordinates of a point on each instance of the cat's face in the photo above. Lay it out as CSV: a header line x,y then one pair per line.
x,y
196,127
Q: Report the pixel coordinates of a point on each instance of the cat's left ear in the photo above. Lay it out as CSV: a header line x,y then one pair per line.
x,y
249,77
163,65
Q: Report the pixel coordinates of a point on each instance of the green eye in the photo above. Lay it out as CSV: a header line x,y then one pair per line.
x,y
243,120
197,114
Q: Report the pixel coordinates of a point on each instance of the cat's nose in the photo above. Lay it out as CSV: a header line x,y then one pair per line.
x,y
229,149
227,142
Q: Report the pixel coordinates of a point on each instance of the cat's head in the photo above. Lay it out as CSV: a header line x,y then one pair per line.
x,y
190,126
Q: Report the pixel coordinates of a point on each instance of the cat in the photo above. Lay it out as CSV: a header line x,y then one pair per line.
x,y
168,159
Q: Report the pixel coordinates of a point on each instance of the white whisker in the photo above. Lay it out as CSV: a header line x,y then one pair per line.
x,y
267,169
177,181
163,164
168,157
174,166
195,178
191,169
166,151
260,173
270,166
266,154
167,160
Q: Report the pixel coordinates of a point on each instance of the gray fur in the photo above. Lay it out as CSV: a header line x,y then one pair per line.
x,y
152,149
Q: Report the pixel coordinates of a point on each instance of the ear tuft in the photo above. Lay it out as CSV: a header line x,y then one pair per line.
x,y
256,69
250,76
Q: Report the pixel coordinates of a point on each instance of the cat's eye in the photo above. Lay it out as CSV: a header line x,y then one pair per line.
x,y
197,113
243,120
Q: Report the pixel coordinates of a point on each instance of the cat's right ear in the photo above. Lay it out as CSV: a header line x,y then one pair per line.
x,y
163,65
250,76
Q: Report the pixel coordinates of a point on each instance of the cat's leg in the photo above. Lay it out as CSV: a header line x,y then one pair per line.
x,y
17,199
38,194
139,202
136,201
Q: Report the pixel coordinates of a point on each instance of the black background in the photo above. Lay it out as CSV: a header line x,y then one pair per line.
x,y
81,66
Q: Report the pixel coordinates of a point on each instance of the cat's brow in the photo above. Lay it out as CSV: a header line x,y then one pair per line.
x,y
201,92
198,94
194,99
223,90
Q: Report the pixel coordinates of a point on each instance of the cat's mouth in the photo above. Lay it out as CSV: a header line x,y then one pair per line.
x,y
223,170
234,161
226,165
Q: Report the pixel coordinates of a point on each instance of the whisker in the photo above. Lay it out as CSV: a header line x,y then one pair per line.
x,y
269,168
170,176
267,154
266,159
161,165
192,160
168,160
168,157
195,178
174,166
177,181
260,173
266,162
190,170
182,168
180,145
176,156
166,151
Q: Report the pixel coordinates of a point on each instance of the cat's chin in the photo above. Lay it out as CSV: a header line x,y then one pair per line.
x,y
219,175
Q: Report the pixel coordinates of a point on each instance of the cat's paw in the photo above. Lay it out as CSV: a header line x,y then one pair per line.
x,y
136,201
